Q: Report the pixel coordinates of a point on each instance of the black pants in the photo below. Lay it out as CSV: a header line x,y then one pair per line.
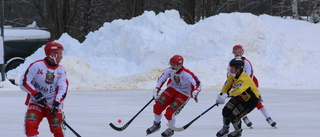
x,y
236,108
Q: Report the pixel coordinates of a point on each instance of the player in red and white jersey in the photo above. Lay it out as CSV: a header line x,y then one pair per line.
x,y
238,51
182,84
46,83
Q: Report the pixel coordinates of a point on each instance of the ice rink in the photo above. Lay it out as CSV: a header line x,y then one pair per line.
x,y
90,112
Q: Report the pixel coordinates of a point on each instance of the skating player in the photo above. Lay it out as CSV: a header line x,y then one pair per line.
x,y
244,98
46,83
182,85
238,51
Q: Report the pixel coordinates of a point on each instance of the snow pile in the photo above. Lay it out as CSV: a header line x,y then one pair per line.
x,y
131,54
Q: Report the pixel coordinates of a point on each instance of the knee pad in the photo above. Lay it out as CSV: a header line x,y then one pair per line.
x,y
239,109
226,112
227,109
229,106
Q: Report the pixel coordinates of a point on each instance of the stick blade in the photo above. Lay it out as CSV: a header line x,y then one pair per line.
x,y
118,128
175,128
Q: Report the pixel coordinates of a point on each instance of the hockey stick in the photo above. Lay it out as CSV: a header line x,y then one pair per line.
x,y
64,122
129,122
74,132
187,125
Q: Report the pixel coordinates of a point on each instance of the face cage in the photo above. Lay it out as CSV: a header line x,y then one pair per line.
x,y
237,50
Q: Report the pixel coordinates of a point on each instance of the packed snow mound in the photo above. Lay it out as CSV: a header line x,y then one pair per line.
x,y
131,54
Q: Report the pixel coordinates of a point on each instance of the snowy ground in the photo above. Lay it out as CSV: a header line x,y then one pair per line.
x,y
89,113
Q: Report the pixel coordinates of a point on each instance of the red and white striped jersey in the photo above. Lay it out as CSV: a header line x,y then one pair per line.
x,y
184,81
51,81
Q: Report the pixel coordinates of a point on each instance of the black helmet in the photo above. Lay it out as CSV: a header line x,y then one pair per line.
x,y
237,63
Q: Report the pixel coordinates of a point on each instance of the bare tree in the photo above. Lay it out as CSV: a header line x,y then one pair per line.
x,y
294,5
14,16
315,12
56,15
189,11
80,17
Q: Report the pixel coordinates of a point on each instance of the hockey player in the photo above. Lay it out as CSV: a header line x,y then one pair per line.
x,y
238,53
46,83
244,98
181,86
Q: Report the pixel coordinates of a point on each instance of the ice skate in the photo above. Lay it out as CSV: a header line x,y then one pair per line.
x,y
237,130
167,133
154,128
236,133
223,131
247,121
271,122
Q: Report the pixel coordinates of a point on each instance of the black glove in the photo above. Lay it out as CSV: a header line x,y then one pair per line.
x,y
55,107
40,99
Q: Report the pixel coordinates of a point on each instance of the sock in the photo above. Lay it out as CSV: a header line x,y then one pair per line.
x,y
265,112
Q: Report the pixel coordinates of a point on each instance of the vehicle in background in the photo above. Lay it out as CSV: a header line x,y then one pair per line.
x,y
21,42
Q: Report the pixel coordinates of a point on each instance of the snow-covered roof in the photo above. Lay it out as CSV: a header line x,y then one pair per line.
x,y
25,33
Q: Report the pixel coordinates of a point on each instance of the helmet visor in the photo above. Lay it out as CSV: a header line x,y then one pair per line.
x,y
237,51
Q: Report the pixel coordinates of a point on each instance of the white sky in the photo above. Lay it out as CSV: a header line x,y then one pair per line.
x,y
131,54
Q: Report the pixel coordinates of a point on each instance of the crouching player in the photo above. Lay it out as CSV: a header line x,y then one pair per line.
x,y
244,98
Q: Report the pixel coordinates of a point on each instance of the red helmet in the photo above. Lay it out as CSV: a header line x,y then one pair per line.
x,y
52,46
238,47
176,59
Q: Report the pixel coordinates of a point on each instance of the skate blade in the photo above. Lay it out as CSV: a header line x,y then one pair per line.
x,y
152,132
225,135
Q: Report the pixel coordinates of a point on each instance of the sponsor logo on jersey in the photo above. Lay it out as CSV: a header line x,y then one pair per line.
x,y
32,117
44,89
49,77
56,122
176,79
174,105
237,85
162,100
